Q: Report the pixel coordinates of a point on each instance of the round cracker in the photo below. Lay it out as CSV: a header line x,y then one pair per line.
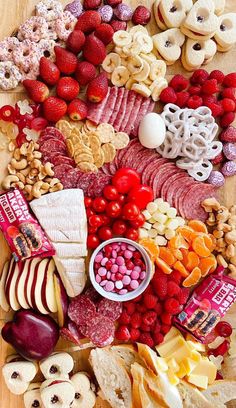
x,y
105,132
94,142
120,140
70,147
109,152
99,158
84,157
90,125
86,167
64,127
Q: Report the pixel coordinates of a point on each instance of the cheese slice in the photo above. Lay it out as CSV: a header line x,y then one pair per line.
x,y
71,250
200,381
72,273
206,368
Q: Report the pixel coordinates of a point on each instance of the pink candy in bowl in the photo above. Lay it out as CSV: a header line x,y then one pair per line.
x,y
120,269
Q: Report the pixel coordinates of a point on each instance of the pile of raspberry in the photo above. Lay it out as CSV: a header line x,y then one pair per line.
x,y
149,317
218,92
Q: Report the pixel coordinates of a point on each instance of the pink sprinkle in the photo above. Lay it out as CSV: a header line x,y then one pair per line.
x,y
114,253
98,257
109,286
119,285
104,282
128,254
122,269
102,271
108,275
114,268
142,275
120,260
135,274
134,284
126,280
104,261
123,292
98,278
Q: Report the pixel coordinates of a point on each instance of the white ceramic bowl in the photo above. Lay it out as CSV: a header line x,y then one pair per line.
x,y
134,293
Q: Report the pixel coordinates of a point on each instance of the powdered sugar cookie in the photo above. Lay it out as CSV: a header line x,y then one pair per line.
x,y
6,48
65,25
225,35
33,29
168,44
49,9
173,13
201,21
10,75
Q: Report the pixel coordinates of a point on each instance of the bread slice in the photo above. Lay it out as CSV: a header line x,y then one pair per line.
x,y
112,377
192,397
221,392
101,403
127,353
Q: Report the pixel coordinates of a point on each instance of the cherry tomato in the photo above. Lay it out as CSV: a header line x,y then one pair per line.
x,y
92,241
105,233
89,212
138,222
130,211
106,220
131,233
99,204
122,199
125,179
92,230
113,209
141,195
95,220
119,227
88,202
110,193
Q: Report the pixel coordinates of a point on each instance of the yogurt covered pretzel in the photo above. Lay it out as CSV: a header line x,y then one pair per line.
x,y
6,48
26,55
49,9
10,75
33,29
65,25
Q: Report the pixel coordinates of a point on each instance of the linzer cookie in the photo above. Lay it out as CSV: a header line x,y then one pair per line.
x,y
225,35
22,232
171,14
168,45
201,21
207,305
196,53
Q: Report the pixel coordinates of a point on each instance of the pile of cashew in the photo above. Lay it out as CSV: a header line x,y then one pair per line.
x,y
223,223
27,172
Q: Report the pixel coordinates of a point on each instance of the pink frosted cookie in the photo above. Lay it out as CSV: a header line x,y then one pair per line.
x,y
46,48
33,29
10,75
49,9
6,48
51,33
65,25
26,55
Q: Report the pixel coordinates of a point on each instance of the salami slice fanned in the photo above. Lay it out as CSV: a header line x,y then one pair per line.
x,y
58,159
101,330
51,131
71,333
93,295
81,310
53,145
110,309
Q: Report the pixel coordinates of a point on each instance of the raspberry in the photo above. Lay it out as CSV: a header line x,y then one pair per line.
x,y
165,328
137,299
207,99
158,309
230,80
172,289
166,318
227,119
219,158
134,334
182,98
194,90
194,102
150,300
141,308
218,75
124,318
210,86
149,317
168,95
216,109
229,93
183,296
176,277
158,338
228,105
172,306
199,77
179,83
136,320
228,135
145,328
130,307
159,284
146,339
122,333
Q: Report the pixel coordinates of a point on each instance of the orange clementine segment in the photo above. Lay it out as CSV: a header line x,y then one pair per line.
x,y
186,232
208,265
163,266
150,247
177,253
178,242
167,255
193,278
198,226
209,241
192,261
178,266
199,246
184,253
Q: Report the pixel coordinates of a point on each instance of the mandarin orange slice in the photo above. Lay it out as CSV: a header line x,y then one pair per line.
x,y
198,226
163,266
192,261
193,278
178,266
186,232
177,253
178,242
200,247
207,265
150,247
167,255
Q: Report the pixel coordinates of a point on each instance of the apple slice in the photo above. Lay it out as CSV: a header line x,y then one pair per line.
x,y
36,288
21,284
61,299
3,300
29,279
48,290
10,288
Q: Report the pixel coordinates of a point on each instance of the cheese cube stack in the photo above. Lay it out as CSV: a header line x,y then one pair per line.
x,y
161,222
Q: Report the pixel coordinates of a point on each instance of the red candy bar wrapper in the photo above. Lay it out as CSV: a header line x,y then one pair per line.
x,y
208,303
22,231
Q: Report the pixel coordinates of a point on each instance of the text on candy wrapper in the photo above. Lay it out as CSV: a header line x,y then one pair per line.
x,y
223,298
13,208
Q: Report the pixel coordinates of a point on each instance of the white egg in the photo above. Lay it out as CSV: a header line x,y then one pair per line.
x,y
152,130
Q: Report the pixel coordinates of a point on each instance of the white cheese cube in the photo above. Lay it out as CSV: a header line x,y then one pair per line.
x,y
161,218
143,233
147,214
147,225
159,240
163,207
152,233
171,212
181,221
172,224
158,201
160,228
151,207
169,233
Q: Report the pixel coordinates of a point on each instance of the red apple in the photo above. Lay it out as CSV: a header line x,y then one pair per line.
x,y
10,287
61,299
21,285
3,300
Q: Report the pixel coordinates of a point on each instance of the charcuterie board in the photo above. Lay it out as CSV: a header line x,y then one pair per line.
x,y
13,13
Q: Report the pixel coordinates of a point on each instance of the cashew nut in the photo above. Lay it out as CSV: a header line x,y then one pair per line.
x,y
36,189
232,269
218,234
35,164
37,155
7,182
233,260
230,251
232,220
57,187
11,169
28,190
19,165
222,214
54,181
30,180
11,147
21,177
222,226
24,149
19,185
17,154
221,243
230,237
33,173
210,204
25,171
221,261
48,169
45,186
211,220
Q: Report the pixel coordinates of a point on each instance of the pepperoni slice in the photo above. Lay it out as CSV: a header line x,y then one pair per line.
x,y
110,309
101,330
81,310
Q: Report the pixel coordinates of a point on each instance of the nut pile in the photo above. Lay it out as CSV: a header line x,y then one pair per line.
x,y
91,146
223,223
26,172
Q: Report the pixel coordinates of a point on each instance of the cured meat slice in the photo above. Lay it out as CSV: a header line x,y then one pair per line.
x,y
129,107
61,169
119,98
190,207
108,109
97,184
134,114
101,330
71,333
81,310
164,171
122,111
180,188
143,159
144,109
95,110
93,295
48,137
130,152
53,145
51,131
61,159
110,309
84,181
169,181
170,191
70,180
149,169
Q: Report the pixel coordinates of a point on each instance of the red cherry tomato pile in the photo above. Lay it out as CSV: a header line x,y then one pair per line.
x,y
118,210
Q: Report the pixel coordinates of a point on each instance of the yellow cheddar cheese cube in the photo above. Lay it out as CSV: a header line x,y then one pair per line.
x,y
189,365
174,380
173,365
172,333
182,370
195,356
206,368
200,381
196,346
168,348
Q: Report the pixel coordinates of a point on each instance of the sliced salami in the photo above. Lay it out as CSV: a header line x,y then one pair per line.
x,y
93,295
122,111
51,145
119,98
53,132
81,310
61,169
108,109
129,107
95,110
191,205
180,190
101,330
67,335
164,171
142,112
144,159
169,181
84,182
134,114
97,184
70,180
110,309
61,159
171,191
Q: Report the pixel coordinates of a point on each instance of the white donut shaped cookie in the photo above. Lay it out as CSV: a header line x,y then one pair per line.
x,y
49,9
197,53
65,25
46,49
194,148
33,29
32,396
201,21
168,44
225,35
6,48
214,149
173,12
10,75
26,55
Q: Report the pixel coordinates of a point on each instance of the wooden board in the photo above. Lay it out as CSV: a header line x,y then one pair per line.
x,y
13,13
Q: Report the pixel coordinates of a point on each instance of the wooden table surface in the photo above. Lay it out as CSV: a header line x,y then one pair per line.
x,y
15,12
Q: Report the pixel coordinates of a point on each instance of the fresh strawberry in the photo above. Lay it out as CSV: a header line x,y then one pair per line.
x,y
92,4
88,21
98,88
36,90
113,3
54,108
66,61
77,109
118,25
67,88
75,41
141,15
85,72
94,50
49,71
105,33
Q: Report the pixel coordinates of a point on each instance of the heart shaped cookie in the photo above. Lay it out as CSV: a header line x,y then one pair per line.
x,y
32,397
57,365
225,35
197,53
173,12
18,374
158,17
201,21
57,393
219,6
168,44
84,396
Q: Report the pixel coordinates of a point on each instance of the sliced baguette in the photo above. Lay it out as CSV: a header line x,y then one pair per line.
x,y
192,397
127,353
221,392
101,403
112,378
